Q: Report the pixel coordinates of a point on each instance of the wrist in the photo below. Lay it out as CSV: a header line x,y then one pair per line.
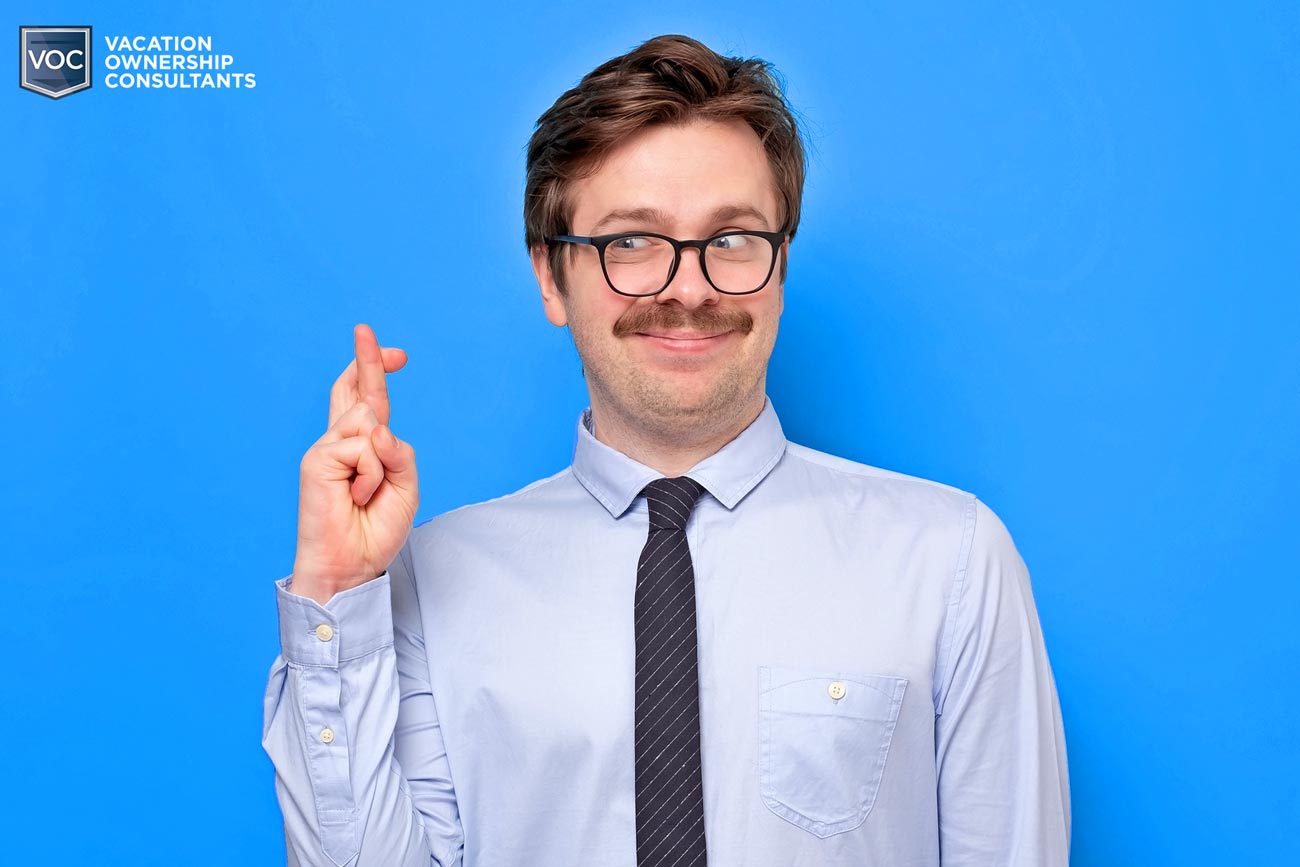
x,y
305,581
301,584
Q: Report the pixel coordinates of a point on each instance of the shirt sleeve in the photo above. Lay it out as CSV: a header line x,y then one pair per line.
x,y
350,725
999,742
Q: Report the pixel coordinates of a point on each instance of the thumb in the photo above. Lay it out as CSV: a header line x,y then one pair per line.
x,y
397,457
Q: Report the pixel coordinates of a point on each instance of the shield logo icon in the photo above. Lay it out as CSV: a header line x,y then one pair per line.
x,y
55,60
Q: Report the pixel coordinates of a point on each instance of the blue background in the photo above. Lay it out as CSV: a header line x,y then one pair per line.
x,y
1048,255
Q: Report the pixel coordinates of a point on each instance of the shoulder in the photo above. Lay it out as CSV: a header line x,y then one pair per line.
x,y
960,534
503,514
883,492
983,539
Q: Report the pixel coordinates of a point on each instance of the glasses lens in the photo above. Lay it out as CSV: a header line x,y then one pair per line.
x,y
638,265
739,262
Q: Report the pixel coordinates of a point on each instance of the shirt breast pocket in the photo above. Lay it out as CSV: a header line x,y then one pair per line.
x,y
823,740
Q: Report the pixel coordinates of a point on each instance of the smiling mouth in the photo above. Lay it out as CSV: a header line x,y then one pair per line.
x,y
685,344
692,335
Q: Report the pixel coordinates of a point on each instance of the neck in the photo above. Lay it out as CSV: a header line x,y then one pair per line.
x,y
672,446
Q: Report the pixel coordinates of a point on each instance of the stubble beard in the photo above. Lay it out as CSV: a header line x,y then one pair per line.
x,y
649,400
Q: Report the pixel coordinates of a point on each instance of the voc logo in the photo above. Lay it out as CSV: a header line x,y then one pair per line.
x,y
55,61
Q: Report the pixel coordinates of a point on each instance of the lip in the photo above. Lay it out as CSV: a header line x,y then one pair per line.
x,y
685,342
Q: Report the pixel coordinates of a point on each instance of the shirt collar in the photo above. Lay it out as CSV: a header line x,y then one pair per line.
x,y
728,474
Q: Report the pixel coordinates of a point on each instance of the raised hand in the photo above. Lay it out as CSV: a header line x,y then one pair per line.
x,y
358,490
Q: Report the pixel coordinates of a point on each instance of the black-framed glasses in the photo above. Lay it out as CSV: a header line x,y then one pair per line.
x,y
644,263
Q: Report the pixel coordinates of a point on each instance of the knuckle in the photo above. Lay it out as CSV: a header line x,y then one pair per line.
x,y
309,458
363,420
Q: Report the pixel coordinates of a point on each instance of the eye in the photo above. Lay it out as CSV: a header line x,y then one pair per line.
x,y
630,244
732,242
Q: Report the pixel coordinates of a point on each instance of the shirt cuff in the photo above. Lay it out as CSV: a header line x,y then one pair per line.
x,y
353,623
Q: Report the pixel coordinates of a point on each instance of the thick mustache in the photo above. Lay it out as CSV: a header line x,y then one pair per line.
x,y
661,318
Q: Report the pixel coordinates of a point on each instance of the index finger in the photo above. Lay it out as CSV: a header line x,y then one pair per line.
x,y
372,388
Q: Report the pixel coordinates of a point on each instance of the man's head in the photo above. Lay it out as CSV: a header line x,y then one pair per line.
x,y
665,80
685,143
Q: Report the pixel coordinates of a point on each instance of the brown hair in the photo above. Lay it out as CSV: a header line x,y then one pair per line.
x,y
665,80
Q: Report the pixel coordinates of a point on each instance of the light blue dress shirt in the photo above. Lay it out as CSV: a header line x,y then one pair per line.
x,y
874,689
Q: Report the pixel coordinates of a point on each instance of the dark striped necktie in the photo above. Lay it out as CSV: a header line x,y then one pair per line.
x,y
669,796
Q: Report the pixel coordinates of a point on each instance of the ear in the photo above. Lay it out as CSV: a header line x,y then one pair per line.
x,y
552,300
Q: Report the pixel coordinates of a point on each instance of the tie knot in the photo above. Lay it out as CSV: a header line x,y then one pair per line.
x,y
671,501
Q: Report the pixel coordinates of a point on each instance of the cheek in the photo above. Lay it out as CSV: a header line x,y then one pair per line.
x,y
597,315
766,313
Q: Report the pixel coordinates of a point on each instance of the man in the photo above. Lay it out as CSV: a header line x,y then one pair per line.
x,y
699,641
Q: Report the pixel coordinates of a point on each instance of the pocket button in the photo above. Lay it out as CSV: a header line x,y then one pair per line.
x,y
836,690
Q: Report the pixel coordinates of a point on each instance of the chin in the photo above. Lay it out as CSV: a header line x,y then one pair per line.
x,y
690,403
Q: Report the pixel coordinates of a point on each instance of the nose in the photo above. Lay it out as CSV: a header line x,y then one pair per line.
x,y
689,287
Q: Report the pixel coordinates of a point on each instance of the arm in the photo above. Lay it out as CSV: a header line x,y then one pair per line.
x,y
350,725
999,744
379,791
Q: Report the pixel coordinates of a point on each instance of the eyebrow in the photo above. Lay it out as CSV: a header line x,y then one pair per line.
x,y
656,216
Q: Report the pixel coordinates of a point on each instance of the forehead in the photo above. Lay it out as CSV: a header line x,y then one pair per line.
x,y
686,172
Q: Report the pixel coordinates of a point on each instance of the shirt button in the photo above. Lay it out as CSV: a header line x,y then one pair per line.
x,y
327,735
836,690
324,632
